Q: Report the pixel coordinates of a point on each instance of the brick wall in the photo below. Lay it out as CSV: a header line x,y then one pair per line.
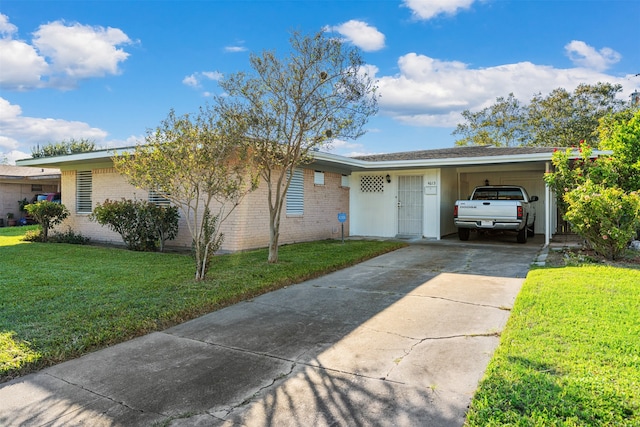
x,y
246,228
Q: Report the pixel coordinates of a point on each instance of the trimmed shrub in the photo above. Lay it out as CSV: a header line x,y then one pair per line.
x,y
142,225
47,214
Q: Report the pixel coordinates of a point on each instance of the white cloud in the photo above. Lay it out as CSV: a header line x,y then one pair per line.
x,y
234,49
212,75
21,133
131,141
431,92
427,9
195,79
59,55
191,80
361,34
583,55
81,51
6,28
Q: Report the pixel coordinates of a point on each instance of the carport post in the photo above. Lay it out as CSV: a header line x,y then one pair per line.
x,y
547,209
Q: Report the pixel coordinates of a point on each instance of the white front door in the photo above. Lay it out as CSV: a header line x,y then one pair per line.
x,y
410,205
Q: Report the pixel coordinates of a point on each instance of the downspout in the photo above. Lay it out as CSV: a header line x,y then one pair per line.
x,y
547,208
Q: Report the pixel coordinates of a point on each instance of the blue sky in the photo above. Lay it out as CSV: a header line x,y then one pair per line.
x,y
110,70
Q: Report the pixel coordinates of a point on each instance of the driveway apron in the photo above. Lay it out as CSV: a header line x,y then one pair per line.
x,y
400,340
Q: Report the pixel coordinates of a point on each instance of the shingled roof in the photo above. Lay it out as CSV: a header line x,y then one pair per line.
x,y
20,172
456,152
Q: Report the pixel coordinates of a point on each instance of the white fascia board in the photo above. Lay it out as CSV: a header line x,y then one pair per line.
x,y
431,163
356,164
75,158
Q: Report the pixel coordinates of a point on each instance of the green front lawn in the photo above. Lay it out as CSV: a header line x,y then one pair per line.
x,y
58,301
570,353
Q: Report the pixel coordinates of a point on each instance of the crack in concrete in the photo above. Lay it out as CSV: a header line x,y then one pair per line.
x,y
465,302
419,341
224,413
403,294
142,411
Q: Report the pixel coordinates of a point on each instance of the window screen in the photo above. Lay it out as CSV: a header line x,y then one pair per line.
x,y
318,178
158,199
84,187
295,194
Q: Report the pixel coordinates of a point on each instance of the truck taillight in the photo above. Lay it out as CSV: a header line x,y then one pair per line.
x,y
455,211
520,212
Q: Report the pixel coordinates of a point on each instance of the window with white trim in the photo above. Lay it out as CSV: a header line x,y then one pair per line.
x,y
295,194
318,178
84,188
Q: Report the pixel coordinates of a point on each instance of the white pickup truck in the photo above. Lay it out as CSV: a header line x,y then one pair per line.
x,y
496,207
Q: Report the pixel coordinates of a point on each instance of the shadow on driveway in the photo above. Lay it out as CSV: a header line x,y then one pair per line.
x,y
402,339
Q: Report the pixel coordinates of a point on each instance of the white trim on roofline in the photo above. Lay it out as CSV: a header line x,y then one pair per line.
x,y
357,164
330,159
75,158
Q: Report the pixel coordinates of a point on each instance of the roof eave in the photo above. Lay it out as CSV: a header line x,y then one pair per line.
x,y
90,156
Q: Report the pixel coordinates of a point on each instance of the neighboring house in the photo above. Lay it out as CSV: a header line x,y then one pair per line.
x,y
18,183
408,194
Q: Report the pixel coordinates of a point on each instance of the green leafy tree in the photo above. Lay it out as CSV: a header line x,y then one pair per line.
x,y
500,125
620,133
200,166
599,196
47,214
73,146
559,119
293,105
606,217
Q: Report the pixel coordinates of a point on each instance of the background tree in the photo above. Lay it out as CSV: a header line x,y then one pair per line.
x,y
500,125
296,104
200,168
47,214
62,148
559,119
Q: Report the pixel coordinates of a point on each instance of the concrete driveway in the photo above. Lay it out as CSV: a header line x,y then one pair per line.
x,y
399,340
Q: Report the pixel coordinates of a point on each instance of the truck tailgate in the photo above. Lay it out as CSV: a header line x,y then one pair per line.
x,y
487,209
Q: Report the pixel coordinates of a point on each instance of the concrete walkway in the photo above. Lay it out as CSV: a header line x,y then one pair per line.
x,y
399,340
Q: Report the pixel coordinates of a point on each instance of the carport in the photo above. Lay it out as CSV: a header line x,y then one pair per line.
x,y
412,194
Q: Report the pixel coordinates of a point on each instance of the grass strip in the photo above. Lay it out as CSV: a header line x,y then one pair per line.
x,y
59,301
570,353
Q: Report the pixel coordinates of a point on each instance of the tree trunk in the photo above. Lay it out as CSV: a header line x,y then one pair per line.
x,y
274,235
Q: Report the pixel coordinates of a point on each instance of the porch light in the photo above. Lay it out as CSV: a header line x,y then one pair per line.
x,y
388,179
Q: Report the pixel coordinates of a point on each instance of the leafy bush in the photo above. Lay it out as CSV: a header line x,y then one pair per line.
x,y
142,225
69,237
33,235
47,214
606,217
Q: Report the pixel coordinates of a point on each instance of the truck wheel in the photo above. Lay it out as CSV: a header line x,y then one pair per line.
x,y
522,235
531,231
463,233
